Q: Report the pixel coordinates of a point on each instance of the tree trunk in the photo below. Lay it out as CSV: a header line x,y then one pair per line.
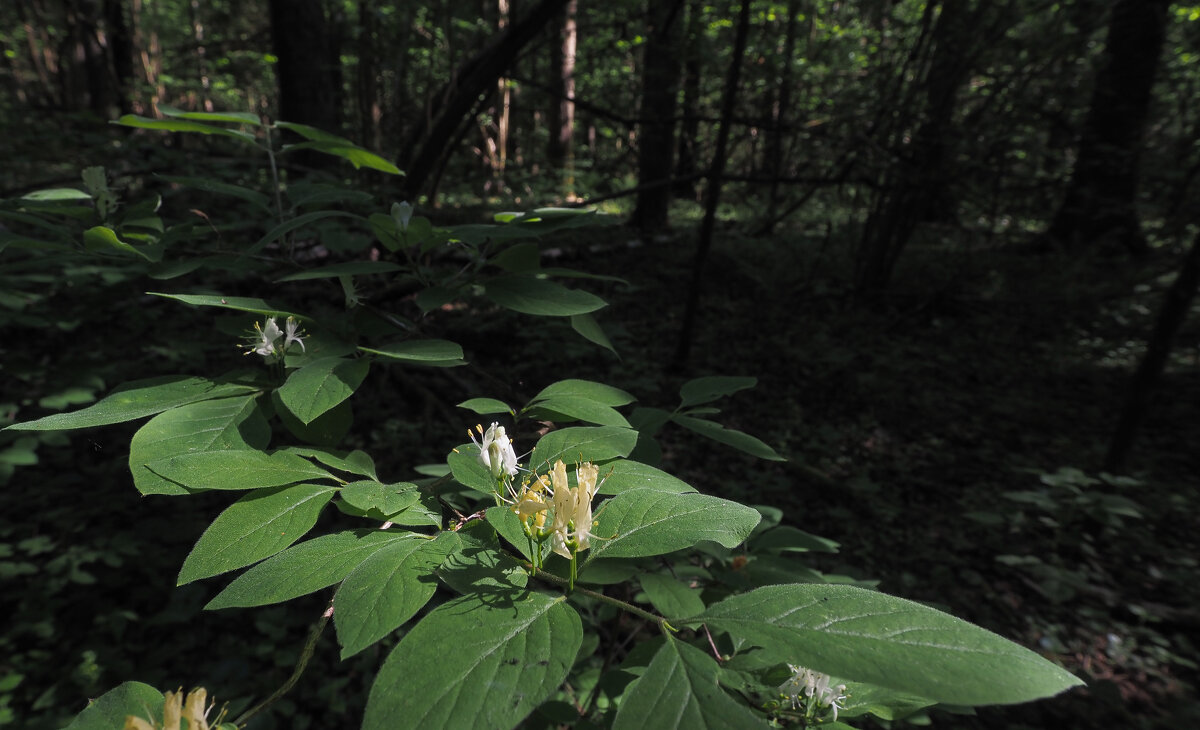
x,y
712,196
656,133
431,135
367,76
779,110
120,47
1176,305
1100,206
309,81
917,178
689,129
561,114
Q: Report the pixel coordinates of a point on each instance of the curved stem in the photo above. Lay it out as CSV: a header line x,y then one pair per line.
x,y
663,626
305,655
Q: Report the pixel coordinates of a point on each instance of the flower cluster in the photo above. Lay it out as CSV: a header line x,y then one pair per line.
x,y
265,340
176,710
568,510
814,688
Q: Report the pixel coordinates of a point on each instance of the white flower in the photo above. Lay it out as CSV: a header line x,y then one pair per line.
x,y
813,685
292,334
402,213
267,334
495,450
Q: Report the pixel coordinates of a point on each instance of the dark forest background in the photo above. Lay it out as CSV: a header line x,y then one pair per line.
x,y
956,241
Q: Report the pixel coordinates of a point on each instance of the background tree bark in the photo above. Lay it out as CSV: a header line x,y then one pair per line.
x,y
308,72
1100,204
656,132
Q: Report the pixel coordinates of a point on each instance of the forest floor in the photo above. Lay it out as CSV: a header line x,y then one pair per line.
x,y
948,439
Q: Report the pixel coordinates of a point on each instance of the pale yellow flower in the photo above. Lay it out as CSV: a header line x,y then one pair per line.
x,y
175,710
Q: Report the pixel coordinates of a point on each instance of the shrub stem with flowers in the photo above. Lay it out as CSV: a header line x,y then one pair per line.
x,y
517,591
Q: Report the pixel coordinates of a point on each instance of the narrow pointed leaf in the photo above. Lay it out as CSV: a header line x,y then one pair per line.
x,y
587,326
387,589
135,400
622,475
737,439
871,637
642,522
234,470
433,353
598,392
575,408
182,125
531,295
241,304
679,691
706,390
485,406
510,652
304,568
255,527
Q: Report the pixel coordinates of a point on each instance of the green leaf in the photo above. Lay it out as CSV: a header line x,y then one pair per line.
x,y
587,326
232,117
328,429
680,690
241,304
480,566
642,522
670,597
435,353
787,538
356,155
507,525
212,425
738,440
182,125
706,390
100,238
387,589
622,475
137,399
350,268
321,385
234,470
56,194
298,222
110,709
582,444
304,568
531,295
384,499
883,703
485,406
870,637
255,527
355,462
468,470
511,651
575,408
597,392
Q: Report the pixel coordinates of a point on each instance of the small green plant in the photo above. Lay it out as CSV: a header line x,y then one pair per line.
x,y
520,573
